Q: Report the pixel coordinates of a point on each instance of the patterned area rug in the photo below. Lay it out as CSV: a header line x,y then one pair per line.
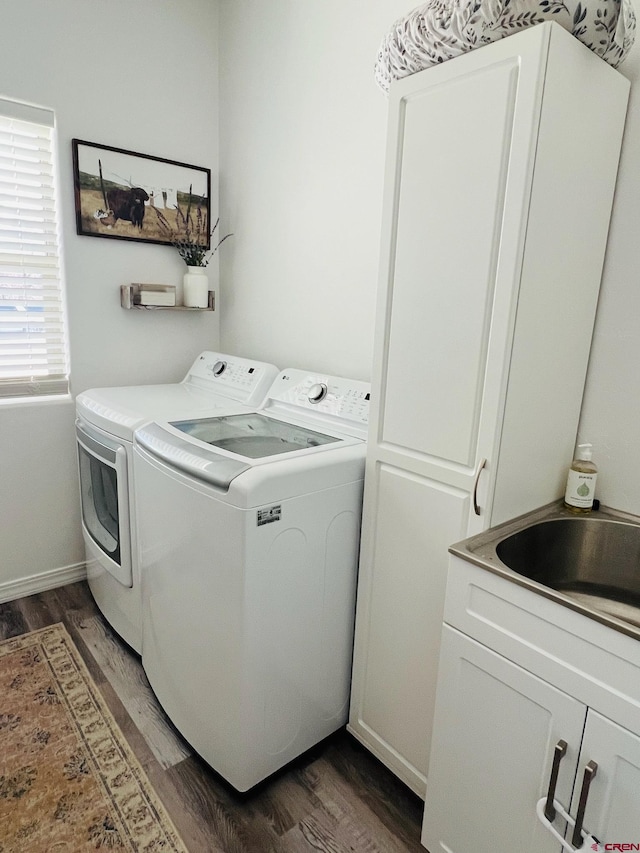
x,y
69,782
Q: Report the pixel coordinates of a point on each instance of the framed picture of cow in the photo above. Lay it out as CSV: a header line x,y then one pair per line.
x,y
128,196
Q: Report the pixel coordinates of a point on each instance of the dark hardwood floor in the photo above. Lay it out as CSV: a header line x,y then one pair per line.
x,y
335,799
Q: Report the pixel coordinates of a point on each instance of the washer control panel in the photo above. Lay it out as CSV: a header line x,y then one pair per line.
x,y
242,379
341,400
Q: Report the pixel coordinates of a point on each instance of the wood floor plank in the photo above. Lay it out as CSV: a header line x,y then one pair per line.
x,y
284,802
12,621
387,797
347,820
228,817
37,610
315,832
75,596
124,672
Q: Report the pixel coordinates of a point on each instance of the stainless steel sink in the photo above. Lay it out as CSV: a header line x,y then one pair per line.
x,y
590,563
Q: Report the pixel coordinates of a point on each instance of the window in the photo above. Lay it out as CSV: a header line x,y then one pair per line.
x,y
33,350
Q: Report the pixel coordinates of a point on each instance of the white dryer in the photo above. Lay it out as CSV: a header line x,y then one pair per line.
x,y
106,419
249,530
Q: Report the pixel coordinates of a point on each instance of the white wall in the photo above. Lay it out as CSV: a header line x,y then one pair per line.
x,y
611,409
137,75
302,143
302,134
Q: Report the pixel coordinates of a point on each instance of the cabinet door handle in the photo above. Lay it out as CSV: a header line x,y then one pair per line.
x,y
558,754
476,508
589,774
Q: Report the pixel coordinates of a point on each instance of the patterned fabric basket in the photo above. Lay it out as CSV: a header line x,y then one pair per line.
x,y
441,29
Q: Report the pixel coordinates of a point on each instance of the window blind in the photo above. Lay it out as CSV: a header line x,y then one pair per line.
x,y
33,348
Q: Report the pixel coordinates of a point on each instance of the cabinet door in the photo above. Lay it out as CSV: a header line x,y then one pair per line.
x,y
612,812
458,182
495,733
413,521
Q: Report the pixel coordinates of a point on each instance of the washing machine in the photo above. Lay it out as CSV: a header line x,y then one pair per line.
x,y
106,419
249,530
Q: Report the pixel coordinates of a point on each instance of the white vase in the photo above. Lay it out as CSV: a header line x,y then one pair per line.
x,y
195,288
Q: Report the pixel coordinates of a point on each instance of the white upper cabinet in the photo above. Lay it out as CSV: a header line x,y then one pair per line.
x,y
500,176
442,153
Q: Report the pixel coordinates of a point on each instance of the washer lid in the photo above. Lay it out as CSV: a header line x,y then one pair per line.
x,y
219,449
253,435
200,462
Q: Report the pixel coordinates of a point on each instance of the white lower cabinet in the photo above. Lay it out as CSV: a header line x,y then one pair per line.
x,y
498,728
495,730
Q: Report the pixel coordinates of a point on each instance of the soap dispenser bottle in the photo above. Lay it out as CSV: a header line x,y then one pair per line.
x,y
581,481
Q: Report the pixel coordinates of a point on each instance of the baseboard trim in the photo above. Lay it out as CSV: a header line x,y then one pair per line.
x,y
33,584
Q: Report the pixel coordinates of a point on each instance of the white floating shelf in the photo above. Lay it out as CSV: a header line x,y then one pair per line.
x,y
130,298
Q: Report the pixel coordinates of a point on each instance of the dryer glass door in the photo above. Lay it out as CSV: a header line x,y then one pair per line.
x,y
104,498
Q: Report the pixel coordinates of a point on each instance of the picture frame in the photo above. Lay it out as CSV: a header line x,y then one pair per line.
x,y
125,195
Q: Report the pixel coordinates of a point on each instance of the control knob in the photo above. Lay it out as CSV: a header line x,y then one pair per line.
x,y
219,368
317,392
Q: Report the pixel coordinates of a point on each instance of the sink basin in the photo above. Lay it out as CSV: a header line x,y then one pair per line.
x,y
590,563
595,561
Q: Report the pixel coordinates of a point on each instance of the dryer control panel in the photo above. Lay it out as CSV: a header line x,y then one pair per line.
x,y
342,402
241,379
